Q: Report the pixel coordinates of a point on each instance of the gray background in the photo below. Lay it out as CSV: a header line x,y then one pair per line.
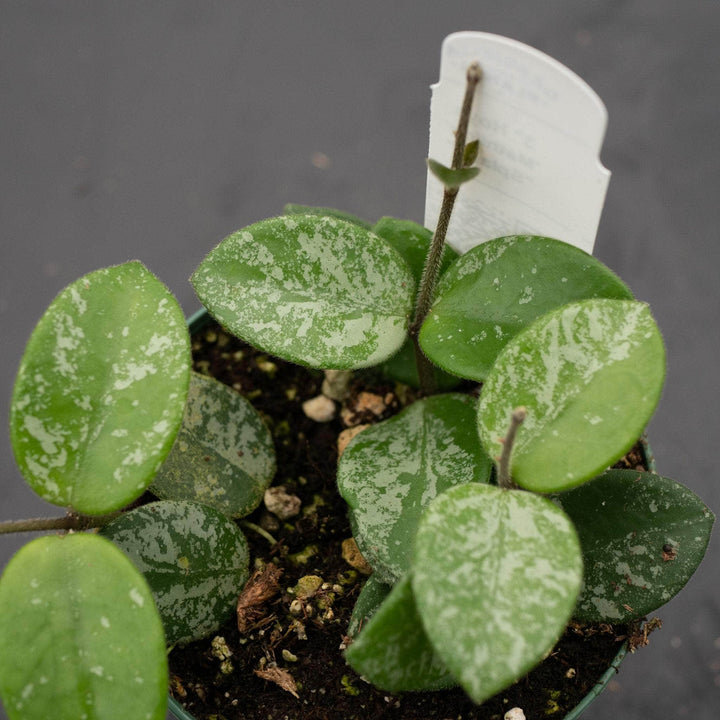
x,y
152,130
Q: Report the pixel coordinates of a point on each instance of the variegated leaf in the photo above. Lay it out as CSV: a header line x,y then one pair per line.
x,y
495,575
315,290
499,287
101,389
194,558
391,471
590,376
223,455
642,537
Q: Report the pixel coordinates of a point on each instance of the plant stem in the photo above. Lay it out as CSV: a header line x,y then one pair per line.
x,y
72,521
431,271
516,420
260,531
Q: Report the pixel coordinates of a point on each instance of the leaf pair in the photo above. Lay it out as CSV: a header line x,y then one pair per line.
x,y
493,582
495,576
477,571
326,291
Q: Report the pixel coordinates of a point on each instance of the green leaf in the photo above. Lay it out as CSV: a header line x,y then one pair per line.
x,y
371,596
313,290
495,576
393,652
499,287
391,471
294,209
100,392
452,178
402,367
590,375
223,455
412,241
471,152
79,634
194,558
642,536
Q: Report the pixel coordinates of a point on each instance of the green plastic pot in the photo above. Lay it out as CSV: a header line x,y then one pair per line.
x,y
199,320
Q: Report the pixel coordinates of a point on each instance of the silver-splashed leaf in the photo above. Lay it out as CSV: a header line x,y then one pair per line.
x,y
101,389
391,471
223,454
315,290
194,558
79,634
642,537
590,375
495,576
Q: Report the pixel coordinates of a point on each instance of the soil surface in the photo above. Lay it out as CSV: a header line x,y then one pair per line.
x,y
287,664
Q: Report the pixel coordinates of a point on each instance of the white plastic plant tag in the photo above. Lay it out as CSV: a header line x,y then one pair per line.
x,y
540,128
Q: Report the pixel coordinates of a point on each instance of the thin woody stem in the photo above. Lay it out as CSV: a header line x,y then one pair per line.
x,y
516,420
69,522
431,271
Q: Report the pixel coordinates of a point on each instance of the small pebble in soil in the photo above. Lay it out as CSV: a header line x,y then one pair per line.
x,y
366,407
515,714
320,409
220,648
347,435
308,586
352,556
282,503
370,402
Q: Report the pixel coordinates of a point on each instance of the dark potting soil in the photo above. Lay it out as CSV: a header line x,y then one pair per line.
x,y
287,663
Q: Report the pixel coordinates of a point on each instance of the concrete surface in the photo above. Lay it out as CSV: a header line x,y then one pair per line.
x,y
152,130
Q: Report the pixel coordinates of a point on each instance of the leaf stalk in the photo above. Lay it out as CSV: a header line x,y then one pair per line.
x,y
516,420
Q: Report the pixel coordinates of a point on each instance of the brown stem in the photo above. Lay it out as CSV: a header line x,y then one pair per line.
x,y
516,420
431,271
71,521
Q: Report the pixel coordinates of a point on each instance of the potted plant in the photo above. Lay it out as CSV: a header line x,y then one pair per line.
x,y
488,516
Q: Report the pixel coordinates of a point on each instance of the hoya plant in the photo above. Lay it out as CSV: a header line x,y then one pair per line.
x,y
489,517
